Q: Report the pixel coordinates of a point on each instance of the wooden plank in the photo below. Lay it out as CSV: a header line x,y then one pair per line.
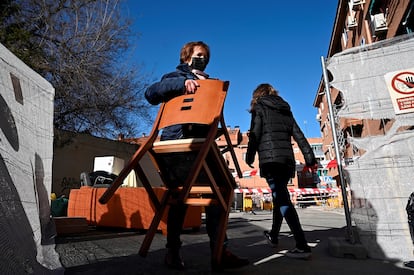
x,y
201,201
70,225
201,190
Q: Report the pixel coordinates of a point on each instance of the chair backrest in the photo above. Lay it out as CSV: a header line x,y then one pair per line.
x,y
203,107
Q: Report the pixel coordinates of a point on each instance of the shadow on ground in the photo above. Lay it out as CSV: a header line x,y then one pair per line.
x,y
116,252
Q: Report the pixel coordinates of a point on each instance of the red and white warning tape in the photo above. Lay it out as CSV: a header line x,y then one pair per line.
x,y
297,191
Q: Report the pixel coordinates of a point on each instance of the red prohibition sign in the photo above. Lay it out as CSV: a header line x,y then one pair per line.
x,y
403,85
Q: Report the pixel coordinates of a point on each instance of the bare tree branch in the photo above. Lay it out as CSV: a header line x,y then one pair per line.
x,y
81,45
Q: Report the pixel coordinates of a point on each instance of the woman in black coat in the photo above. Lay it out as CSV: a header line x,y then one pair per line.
x,y
271,131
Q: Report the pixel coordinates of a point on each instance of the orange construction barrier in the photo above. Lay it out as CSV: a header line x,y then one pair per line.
x,y
130,207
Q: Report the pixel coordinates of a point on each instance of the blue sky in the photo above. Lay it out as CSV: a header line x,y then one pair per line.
x,y
251,42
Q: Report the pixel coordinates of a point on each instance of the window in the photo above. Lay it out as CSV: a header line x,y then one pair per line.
x,y
317,149
345,37
331,151
407,24
378,6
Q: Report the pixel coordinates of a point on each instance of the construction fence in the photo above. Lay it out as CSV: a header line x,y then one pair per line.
x,y
251,199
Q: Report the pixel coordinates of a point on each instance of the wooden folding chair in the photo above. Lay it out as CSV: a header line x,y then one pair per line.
x,y
205,107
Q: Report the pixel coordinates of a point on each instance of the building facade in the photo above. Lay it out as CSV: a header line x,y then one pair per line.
x,y
251,176
357,23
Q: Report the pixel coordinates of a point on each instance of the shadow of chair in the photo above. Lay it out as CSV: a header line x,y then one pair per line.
x,y
209,180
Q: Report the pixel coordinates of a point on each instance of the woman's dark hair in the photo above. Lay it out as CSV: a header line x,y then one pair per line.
x,y
262,90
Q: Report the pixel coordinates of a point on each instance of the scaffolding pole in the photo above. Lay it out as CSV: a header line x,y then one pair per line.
x,y
350,232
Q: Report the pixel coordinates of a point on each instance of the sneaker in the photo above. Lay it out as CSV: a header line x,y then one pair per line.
x,y
273,241
299,253
229,261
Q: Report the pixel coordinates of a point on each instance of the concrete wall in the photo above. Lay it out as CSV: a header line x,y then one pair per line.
x,y
75,153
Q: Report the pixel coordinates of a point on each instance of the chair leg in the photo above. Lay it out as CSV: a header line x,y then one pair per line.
x,y
149,236
218,249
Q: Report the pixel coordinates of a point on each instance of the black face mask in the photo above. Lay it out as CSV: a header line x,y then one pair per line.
x,y
198,63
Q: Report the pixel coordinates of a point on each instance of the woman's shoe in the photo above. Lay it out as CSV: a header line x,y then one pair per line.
x,y
271,239
297,253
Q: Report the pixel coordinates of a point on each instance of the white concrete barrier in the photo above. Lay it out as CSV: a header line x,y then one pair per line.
x,y
26,153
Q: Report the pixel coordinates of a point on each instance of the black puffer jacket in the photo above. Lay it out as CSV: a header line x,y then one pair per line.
x,y
272,127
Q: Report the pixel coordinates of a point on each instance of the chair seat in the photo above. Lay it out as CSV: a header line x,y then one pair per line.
x,y
179,145
200,196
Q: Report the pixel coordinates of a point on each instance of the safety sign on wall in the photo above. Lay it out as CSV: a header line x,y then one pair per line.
x,y
401,88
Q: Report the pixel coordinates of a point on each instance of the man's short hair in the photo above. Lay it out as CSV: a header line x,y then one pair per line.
x,y
188,49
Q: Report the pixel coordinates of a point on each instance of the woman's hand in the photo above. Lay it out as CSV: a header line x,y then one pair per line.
x,y
311,168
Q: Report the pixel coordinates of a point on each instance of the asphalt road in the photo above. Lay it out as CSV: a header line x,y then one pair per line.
x,y
109,251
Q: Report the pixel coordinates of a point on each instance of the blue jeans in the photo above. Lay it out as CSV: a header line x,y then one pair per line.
x,y
277,178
